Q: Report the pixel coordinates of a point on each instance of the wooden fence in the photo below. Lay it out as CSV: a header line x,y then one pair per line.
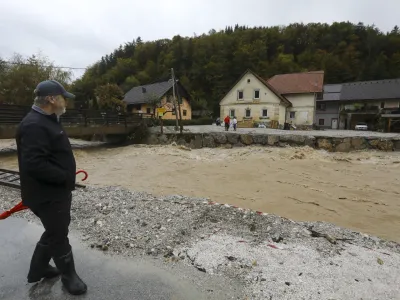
x,y
13,115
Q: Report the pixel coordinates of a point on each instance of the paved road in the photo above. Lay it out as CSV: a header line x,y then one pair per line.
x,y
330,133
107,277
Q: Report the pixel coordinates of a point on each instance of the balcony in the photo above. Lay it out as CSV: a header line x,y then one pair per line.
x,y
360,109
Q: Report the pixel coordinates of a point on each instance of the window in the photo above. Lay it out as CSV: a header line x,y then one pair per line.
x,y
264,113
256,94
148,110
292,115
248,80
321,122
240,95
248,113
321,106
232,113
184,112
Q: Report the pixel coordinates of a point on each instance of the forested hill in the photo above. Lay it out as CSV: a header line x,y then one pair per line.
x,y
209,64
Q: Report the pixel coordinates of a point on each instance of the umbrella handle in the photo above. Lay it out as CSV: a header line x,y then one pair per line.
x,y
84,173
20,206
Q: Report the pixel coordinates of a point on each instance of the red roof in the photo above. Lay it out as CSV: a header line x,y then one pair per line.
x,y
297,83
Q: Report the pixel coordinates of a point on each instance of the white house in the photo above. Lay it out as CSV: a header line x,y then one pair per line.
x,y
252,98
302,90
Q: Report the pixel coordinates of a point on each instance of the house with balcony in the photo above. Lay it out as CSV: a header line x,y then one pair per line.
x,y
327,107
355,102
302,90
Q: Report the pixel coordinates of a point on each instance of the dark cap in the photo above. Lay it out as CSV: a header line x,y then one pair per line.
x,y
52,88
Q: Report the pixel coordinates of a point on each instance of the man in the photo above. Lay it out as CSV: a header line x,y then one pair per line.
x,y
47,174
227,122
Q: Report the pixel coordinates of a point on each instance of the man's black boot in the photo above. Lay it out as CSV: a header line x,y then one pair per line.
x,y
71,281
40,267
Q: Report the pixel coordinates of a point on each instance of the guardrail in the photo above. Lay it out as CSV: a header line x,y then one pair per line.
x,y
13,115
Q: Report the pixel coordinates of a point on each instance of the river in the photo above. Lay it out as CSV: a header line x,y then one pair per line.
x,y
358,190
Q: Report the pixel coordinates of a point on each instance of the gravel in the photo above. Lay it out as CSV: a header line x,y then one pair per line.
x,y
272,257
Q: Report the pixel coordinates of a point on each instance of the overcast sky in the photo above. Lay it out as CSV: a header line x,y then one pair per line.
x,y
78,32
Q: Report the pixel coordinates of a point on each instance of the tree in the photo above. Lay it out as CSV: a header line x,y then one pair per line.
x,y
109,97
209,64
20,75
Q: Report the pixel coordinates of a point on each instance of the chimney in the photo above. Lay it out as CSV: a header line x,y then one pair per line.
x,y
143,90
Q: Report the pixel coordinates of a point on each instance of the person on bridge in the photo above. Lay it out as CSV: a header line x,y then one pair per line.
x,y
47,175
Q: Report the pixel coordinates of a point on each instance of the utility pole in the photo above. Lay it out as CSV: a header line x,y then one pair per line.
x,y
179,108
173,94
179,105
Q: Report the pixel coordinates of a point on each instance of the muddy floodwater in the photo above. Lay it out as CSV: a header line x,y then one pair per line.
x,y
358,190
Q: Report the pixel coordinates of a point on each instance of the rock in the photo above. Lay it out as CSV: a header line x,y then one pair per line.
x,y
231,258
208,141
382,144
292,139
219,137
273,140
343,145
358,143
152,140
169,253
197,142
261,139
277,238
200,268
385,145
246,139
325,144
232,138
227,146
310,141
396,145
182,147
163,139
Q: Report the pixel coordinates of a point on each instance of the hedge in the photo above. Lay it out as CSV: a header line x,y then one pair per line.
x,y
201,121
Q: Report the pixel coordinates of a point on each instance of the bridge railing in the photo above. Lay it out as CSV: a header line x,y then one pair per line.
x,y
13,115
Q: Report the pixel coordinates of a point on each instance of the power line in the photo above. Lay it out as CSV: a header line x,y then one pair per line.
x,y
57,67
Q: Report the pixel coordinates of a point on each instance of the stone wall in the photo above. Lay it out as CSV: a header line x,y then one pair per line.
x,y
229,140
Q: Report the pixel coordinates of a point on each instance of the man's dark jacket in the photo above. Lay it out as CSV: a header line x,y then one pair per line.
x,y
46,162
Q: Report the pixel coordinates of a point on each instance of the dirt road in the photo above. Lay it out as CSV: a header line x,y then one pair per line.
x,y
356,190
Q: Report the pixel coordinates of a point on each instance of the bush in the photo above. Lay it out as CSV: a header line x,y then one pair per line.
x,y
201,121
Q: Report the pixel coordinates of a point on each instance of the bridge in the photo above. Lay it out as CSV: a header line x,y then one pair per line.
x,y
78,123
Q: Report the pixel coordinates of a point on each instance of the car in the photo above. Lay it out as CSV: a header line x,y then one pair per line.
x,y
361,126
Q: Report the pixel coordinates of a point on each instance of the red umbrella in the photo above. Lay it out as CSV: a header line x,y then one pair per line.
x,y
20,206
